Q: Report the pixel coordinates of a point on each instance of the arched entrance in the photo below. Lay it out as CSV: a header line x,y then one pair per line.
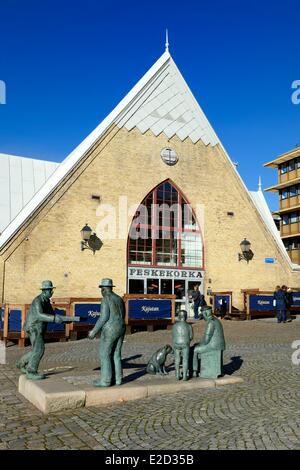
x,y
165,252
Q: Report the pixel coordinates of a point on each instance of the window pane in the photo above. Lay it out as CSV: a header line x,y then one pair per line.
x,y
291,165
294,217
293,191
284,194
285,219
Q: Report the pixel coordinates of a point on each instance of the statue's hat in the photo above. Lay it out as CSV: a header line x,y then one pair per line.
x,y
47,285
106,283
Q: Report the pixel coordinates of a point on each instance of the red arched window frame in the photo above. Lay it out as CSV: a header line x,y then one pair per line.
x,y
147,249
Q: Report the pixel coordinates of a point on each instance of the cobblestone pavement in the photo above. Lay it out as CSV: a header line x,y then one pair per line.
x,y
261,413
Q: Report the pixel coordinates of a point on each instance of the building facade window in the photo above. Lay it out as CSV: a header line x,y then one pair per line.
x,y
294,217
291,165
293,191
285,219
165,232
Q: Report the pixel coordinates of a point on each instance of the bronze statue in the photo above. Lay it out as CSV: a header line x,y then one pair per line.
x,y
40,313
182,333
112,326
210,349
156,364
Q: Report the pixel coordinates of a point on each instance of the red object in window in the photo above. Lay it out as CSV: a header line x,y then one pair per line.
x,y
154,285
178,286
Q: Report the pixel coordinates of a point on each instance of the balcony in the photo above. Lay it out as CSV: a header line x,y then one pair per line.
x,y
294,255
290,229
290,202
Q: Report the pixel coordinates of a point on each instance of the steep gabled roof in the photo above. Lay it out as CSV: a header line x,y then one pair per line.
x,y
160,101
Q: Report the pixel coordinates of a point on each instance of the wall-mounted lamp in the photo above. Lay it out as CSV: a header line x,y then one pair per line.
x,y
209,291
247,253
90,241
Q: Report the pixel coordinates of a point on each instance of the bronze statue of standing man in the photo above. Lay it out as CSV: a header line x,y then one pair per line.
x,y
112,326
39,314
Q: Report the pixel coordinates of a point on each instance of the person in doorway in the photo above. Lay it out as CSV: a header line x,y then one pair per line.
x,y
280,304
223,309
198,300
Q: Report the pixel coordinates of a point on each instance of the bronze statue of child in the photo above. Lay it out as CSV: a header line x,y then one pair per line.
x,y
182,334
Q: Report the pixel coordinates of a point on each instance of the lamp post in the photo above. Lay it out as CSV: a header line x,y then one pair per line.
x,y
247,253
86,233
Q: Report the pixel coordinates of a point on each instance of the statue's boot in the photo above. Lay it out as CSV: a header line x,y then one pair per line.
x,y
35,376
195,373
185,377
21,366
99,383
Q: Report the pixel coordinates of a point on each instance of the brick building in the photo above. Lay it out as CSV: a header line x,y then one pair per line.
x,y
156,147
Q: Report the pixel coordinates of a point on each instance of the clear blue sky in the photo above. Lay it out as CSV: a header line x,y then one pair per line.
x,y
67,63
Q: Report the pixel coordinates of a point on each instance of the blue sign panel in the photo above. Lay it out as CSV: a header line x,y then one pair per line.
x,y
262,303
14,321
88,313
269,260
51,327
144,309
1,318
296,299
222,298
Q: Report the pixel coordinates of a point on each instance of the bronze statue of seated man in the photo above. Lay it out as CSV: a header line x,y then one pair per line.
x,y
210,349
182,334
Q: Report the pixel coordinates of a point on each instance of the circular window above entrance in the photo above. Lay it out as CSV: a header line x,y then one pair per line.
x,y
169,156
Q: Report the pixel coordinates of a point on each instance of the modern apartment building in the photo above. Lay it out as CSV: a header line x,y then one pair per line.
x,y
288,188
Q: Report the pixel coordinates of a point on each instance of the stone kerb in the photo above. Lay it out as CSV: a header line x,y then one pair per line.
x,y
56,394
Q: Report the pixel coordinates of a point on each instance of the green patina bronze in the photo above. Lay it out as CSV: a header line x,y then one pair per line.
x,y
210,349
112,327
182,334
156,364
40,313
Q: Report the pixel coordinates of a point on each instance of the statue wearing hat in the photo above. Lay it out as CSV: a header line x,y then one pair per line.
x,y
112,327
39,314
211,347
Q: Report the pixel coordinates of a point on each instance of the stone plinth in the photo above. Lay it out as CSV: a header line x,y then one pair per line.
x,y
55,394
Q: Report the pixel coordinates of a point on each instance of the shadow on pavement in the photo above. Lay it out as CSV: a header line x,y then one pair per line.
x,y
234,365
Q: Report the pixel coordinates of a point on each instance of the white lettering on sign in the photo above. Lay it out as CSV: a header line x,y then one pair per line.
x,y
263,302
164,273
149,309
93,314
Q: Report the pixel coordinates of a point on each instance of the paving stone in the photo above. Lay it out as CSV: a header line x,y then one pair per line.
x,y
259,413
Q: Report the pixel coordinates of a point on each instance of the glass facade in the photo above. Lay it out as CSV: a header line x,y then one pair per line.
x,y
165,232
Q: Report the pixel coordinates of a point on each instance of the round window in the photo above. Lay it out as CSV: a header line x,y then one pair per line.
x,y
169,156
